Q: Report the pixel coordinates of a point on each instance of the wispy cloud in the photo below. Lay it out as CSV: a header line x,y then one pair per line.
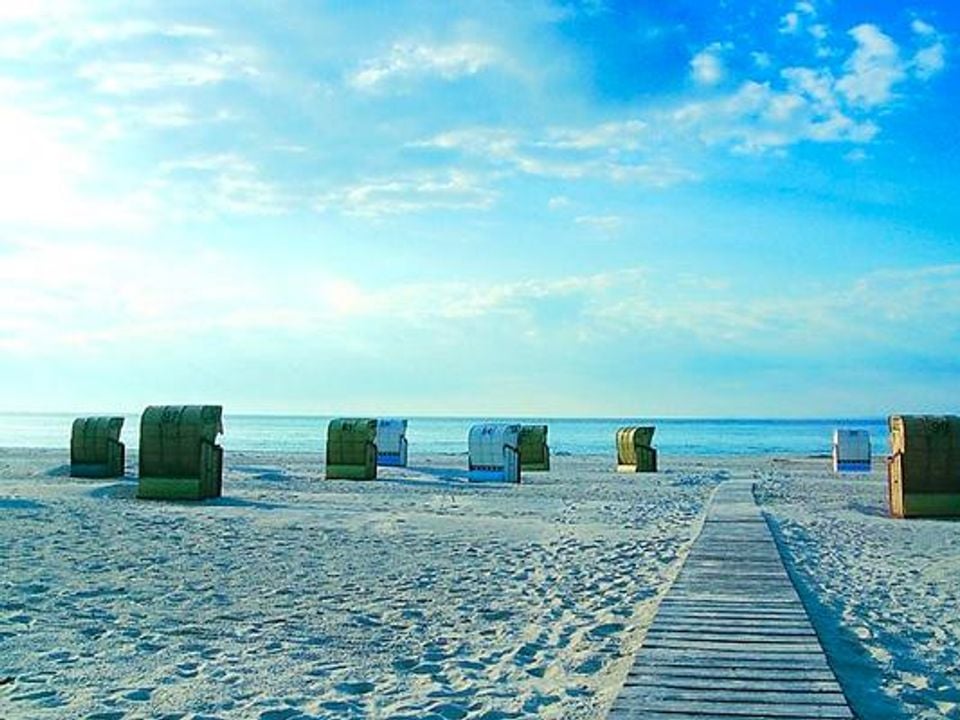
x,y
612,151
43,32
606,224
408,61
225,183
127,77
415,193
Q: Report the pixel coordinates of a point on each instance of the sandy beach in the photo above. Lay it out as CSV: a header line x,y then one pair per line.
x,y
416,596
423,596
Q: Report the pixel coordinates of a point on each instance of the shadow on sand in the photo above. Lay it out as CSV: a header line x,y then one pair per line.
x,y
446,478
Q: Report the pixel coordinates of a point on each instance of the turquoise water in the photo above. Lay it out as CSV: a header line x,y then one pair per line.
x,y
449,435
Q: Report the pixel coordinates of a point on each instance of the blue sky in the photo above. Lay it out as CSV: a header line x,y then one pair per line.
x,y
521,208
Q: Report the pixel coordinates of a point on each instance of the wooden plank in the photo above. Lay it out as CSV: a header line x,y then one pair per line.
x,y
721,708
655,694
730,676
731,639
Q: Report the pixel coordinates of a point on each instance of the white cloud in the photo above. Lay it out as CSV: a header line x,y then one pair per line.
x,y
707,66
35,10
410,194
558,202
607,151
410,60
757,117
131,77
224,183
857,155
614,136
790,23
873,69
59,29
607,224
930,59
761,59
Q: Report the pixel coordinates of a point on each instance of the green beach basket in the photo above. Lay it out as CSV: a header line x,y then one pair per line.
x,y
179,457
634,453
95,448
923,471
352,449
534,451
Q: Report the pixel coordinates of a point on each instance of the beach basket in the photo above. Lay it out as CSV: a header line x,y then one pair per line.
x,y
392,442
179,457
534,451
634,452
352,449
851,450
923,471
95,447
494,452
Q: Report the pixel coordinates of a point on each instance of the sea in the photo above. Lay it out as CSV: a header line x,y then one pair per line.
x,y
676,436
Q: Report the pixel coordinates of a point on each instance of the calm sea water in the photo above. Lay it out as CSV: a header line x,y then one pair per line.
x,y
449,435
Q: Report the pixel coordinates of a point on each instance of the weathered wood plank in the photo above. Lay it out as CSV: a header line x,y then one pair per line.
x,y
731,639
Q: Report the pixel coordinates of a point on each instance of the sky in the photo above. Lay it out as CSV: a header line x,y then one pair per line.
x,y
710,208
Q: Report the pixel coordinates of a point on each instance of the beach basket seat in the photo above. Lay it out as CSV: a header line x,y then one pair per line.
x,y
494,452
391,442
352,449
634,452
95,447
534,451
179,457
923,471
851,450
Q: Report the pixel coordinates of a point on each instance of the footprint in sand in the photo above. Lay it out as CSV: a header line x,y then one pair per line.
x,y
450,711
355,688
589,666
606,630
280,714
188,669
139,695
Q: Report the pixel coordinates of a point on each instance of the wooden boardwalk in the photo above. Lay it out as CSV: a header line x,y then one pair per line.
x,y
731,638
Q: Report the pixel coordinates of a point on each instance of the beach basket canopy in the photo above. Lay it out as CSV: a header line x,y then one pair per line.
x,y
171,437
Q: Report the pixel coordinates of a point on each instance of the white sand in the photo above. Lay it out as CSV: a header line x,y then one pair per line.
x,y
886,591
419,596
